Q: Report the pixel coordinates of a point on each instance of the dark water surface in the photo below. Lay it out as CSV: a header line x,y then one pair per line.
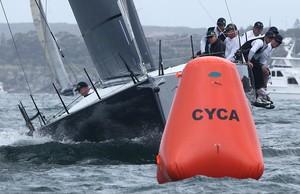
x,y
34,165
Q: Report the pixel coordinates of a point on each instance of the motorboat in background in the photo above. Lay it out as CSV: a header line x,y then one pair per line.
x,y
285,72
284,81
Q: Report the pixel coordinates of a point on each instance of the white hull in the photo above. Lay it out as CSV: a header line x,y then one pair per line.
x,y
285,72
284,81
2,91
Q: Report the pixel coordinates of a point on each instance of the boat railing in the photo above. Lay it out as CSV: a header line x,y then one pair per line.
x,y
187,53
174,50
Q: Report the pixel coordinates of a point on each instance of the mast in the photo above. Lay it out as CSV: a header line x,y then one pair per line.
x,y
52,53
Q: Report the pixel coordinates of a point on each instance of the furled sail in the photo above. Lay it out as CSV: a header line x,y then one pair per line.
x,y
107,31
52,53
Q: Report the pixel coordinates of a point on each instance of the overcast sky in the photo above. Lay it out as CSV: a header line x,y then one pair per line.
x,y
189,13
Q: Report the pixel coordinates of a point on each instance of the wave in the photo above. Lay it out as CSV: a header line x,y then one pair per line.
x,y
102,153
275,152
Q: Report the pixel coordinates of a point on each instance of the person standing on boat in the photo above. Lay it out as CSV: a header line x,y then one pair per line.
x,y
83,89
254,33
266,55
252,51
219,30
231,42
214,46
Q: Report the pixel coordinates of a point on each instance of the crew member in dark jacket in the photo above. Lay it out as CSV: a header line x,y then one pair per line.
x,y
219,30
214,46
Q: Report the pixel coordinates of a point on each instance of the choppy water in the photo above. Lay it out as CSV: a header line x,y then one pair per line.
x,y
38,164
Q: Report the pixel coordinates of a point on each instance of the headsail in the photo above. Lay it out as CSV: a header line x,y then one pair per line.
x,y
107,31
51,51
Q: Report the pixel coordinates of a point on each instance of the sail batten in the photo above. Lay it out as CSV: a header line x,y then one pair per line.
x,y
101,23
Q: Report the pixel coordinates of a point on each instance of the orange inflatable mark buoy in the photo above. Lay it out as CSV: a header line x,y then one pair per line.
x,y
210,129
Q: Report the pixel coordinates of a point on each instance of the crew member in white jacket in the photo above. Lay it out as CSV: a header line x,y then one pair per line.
x,y
254,33
231,42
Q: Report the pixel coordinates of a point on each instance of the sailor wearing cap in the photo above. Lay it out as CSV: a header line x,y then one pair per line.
x,y
83,89
214,46
274,30
265,56
254,33
219,30
231,42
256,48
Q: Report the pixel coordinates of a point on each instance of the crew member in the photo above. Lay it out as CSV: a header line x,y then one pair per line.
x,y
254,33
277,40
231,42
214,46
252,51
219,30
83,89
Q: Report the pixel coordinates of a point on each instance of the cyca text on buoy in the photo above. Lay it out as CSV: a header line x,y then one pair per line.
x,y
213,113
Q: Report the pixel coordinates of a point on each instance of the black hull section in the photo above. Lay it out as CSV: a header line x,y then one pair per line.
x,y
132,113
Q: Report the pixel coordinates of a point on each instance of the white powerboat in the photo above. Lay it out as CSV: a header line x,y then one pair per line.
x,y
284,81
285,73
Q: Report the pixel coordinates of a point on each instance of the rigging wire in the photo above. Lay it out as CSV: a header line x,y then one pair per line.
x,y
238,33
15,45
209,15
206,11
228,11
56,43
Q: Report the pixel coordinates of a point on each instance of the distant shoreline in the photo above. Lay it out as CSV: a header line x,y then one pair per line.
x,y
73,29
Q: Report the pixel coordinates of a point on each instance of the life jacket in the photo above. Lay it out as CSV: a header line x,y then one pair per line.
x,y
245,48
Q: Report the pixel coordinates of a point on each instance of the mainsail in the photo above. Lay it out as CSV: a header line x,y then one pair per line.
x,y
52,53
107,29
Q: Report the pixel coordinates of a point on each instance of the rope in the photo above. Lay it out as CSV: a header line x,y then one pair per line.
x,y
15,45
